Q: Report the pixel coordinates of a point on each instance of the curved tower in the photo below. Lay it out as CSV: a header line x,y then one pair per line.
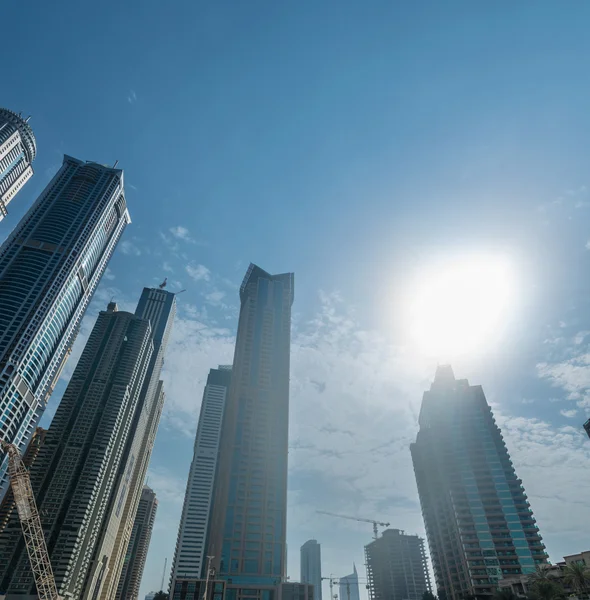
x,y
17,151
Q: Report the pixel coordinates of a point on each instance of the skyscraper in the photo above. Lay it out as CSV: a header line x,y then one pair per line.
x,y
159,308
248,529
130,579
17,151
479,524
349,586
50,266
189,556
397,567
75,473
311,566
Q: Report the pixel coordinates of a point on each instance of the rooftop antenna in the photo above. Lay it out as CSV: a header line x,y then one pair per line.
x,y
116,163
176,293
28,119
163,284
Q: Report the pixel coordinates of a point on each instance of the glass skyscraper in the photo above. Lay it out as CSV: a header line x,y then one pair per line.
x,y
159,308
74,477
479,523
348,587
311,566
189,557
248,527
50,266
17,151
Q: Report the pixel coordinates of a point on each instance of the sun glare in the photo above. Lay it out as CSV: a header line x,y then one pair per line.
x,y
459,306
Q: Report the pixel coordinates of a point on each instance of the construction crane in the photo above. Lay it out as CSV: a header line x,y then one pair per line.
x,y
375,523
30,523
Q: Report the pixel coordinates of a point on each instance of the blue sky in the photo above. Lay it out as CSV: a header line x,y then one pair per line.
x,y
349,142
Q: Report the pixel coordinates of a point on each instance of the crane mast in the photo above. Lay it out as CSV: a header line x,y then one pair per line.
x,y
31,524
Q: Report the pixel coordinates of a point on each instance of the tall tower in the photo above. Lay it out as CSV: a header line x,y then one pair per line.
x,y
479,524
397,567
50,266
17,152
311,567
75,473
189,556
349,586
159,308
248,529
130,580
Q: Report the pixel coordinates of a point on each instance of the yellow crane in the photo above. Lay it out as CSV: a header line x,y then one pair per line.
x,y
375,523
30,523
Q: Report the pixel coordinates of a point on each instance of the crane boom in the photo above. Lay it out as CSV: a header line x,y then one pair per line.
x,y
30,523
375,523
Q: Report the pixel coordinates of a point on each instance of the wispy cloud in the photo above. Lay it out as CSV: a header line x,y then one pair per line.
x,y
181,233
108,275
198,272
166,266
132,97
129,248
214,298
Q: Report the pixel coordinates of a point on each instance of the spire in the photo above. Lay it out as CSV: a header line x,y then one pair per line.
x,y
354,568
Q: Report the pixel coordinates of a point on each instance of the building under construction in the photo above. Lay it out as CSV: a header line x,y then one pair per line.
x,y
396,567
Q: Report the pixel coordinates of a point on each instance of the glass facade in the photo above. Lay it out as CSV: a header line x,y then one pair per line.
x,y
479,523
189,556
50,266
248,530
311,566
17,151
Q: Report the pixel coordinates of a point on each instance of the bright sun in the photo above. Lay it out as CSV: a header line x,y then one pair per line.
x,y
459,306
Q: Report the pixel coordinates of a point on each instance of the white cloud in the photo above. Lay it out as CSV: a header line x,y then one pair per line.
x,y
166,266
181,233
108,274
198,272
570,414
132,97
129,248
214,298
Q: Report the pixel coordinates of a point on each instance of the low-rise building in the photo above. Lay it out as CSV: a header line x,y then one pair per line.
x,y
520,585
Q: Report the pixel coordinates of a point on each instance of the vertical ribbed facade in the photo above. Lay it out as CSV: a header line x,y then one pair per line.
x,y
397,568
311,566
479,523
50,266
75,473
159,308
130,580
248,529
17,152
189,556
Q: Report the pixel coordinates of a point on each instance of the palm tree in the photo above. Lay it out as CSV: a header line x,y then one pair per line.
x,y
577,575
542,573
161,596
545,589
505,594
